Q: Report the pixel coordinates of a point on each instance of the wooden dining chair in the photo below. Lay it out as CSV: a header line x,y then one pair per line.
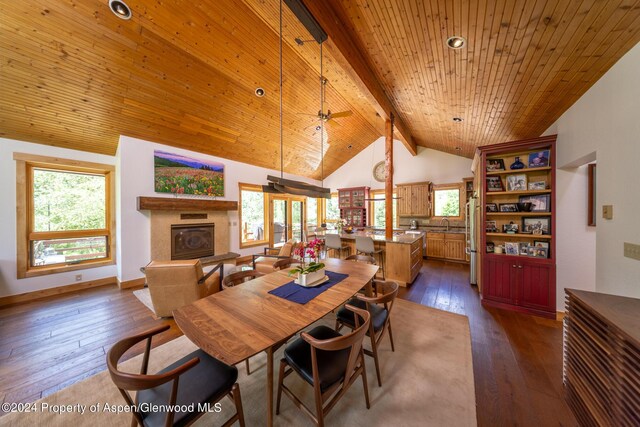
x,y
368,288
281,264
197,378
380,308
327,360
238,278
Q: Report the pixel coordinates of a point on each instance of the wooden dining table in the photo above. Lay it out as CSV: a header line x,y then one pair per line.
x,y
245,320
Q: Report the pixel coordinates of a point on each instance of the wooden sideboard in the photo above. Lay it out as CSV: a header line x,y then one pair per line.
x,y
602,358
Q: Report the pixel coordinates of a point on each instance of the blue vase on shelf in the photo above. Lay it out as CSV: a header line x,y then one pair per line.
x,y
517,164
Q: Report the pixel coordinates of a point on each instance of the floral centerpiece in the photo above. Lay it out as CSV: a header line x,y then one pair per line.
x,y
308,274
342,223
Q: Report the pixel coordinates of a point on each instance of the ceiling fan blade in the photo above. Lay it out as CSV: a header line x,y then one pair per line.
x,y
341,114
332,123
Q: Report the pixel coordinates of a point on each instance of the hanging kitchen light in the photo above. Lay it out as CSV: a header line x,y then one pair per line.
x,y
288,186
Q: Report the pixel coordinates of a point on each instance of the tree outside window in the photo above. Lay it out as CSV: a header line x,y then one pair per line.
x,y
378,210
312,213
332,211
252,210
447,202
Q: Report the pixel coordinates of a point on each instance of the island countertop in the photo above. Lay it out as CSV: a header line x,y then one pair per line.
x,y
397,238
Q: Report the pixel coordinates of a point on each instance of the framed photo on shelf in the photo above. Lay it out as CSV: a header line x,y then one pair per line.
x,y
539,202
537,225
491,227
541,244
490,247
511,248
508,207
537,185
494,183
492,207
537,252
539,159
517,182
511,228
494,165
524,248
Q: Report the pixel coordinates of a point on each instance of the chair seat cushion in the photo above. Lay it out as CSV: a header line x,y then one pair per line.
x,y
265,264
378,314
331,364
208,381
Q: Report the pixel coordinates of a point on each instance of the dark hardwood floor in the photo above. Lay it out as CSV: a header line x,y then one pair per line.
x,y
49,344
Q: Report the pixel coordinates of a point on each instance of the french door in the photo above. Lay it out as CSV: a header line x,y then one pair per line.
x,y
287,218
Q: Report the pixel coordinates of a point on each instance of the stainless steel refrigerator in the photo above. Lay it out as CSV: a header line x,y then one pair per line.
x,y
471,222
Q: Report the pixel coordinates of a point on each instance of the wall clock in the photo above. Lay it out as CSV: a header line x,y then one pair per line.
x,y
378,172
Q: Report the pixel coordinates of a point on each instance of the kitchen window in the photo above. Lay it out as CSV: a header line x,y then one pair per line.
x,y
447,200
65,215
377,208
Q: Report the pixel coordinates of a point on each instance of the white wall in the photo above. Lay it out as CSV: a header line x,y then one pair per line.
x,y
575,240
135,172
605,121
9,284
428,165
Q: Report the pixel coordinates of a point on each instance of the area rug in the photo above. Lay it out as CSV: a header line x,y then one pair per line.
x,y
144,297
427,381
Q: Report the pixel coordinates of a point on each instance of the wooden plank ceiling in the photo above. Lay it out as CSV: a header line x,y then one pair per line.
x,y
180,73
183,73
526,61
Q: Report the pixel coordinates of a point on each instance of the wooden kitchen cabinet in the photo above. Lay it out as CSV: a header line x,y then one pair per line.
x,y
435,245
403,261
449,246
414,199
454,247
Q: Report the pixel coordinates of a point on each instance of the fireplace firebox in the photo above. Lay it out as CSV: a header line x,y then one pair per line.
x,y
191,241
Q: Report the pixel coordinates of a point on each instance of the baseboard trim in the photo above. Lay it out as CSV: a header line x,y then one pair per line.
x,y
134,283
44,293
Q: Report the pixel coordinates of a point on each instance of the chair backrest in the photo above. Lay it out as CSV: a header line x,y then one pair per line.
x,y
240,277
126,381
332,241
361,258
352,341
287,248
173,284
283,263
364,244
386,294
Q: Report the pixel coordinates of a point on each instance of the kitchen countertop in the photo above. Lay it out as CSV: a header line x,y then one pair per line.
x,y
398,238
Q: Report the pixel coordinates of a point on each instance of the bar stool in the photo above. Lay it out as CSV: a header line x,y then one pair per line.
x,y
333,242
364,245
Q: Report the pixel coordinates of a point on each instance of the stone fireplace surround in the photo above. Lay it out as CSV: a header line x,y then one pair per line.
x,y
161,222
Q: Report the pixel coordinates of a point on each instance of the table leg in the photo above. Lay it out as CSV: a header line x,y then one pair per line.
x,y
270,386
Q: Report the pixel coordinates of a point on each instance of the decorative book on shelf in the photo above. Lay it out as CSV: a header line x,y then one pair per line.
x,y
517,244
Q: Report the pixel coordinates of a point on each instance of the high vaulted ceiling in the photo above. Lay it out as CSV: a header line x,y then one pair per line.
x,y
183,73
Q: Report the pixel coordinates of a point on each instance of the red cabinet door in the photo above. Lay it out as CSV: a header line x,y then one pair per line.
x,y
536,285
499,279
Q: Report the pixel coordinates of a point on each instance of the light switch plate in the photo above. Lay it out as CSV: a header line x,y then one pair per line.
x,y
632,251
607,211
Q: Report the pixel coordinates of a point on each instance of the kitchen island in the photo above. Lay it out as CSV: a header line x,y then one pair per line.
x,y
403,253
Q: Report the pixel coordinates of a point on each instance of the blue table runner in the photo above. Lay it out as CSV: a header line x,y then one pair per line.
x,y
301,295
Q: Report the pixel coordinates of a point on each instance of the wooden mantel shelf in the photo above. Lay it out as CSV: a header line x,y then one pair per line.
x,y
183,204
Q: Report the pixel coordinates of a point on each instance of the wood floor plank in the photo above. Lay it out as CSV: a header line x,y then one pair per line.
x,y
517,359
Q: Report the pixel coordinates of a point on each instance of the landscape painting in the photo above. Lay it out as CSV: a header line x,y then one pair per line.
x,y
178,174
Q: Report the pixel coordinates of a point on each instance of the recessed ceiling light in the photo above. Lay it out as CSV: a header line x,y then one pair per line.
x,y
120,9
349,146
458,148
457,119
456,42
318,127
259,92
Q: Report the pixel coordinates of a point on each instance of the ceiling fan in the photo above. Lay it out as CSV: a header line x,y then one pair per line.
x,y
328,116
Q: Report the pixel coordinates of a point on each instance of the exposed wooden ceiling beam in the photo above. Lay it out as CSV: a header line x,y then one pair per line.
x,y
344,49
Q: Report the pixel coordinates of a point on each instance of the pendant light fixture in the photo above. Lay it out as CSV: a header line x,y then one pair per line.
x,y
288,186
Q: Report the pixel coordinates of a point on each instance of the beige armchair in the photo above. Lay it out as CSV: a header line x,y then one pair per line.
x,y
173,284
264,263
